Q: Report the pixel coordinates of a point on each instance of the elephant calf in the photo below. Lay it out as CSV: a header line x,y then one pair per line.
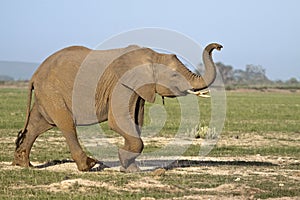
x,y
80,86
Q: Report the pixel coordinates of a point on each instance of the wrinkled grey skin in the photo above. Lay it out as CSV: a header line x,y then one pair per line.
x,y
124,79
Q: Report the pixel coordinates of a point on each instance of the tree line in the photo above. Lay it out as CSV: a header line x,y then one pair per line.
x,y
251,76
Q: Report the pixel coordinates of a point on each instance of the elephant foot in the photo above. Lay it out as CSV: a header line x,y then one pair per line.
x,y
87,164
133,168
127,160
21,159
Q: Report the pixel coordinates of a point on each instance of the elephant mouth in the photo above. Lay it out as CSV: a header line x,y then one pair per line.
x,y
205,93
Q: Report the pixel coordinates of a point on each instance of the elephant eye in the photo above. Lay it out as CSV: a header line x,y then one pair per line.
x,y
175,75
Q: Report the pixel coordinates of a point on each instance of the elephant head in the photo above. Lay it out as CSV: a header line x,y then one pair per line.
x,y
148,72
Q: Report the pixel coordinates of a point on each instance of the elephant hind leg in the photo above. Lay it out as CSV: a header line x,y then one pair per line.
x,y
36,126
64,121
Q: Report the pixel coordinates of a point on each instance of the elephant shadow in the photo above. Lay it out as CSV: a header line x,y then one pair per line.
x,y
151,165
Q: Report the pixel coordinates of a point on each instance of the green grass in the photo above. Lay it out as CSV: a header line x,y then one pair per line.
x,y
263,112
271,119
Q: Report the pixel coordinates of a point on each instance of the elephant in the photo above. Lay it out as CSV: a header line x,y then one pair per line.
x,y
122,79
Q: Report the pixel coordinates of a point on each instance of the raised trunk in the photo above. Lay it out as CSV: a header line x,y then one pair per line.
x,y
201,82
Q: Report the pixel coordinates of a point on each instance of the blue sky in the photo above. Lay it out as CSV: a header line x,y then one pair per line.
x,y
260,32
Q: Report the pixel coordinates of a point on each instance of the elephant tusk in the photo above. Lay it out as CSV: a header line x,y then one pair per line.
x,y
192,92
203,93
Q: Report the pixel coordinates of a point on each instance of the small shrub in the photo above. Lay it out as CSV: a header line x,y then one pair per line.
x,y
204,132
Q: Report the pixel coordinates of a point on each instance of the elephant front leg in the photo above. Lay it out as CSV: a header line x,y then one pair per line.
x,y
127,155
132,148
125,116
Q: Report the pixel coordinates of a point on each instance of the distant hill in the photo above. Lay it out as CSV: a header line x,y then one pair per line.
x,y
6,78
17,70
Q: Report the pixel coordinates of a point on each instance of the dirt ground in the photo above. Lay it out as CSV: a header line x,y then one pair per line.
x,y
208,165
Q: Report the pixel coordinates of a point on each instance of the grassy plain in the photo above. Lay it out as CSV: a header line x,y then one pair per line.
x,y
257,156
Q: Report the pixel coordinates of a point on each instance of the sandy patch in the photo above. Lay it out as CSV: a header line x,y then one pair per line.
x,y
148,182
81,185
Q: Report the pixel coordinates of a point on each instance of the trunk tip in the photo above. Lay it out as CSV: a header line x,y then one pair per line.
x,y
213,46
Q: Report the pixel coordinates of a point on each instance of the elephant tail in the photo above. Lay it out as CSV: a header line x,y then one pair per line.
x,y
29,98
22,132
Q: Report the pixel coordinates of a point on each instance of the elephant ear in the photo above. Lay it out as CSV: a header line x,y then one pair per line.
x,y
140,79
